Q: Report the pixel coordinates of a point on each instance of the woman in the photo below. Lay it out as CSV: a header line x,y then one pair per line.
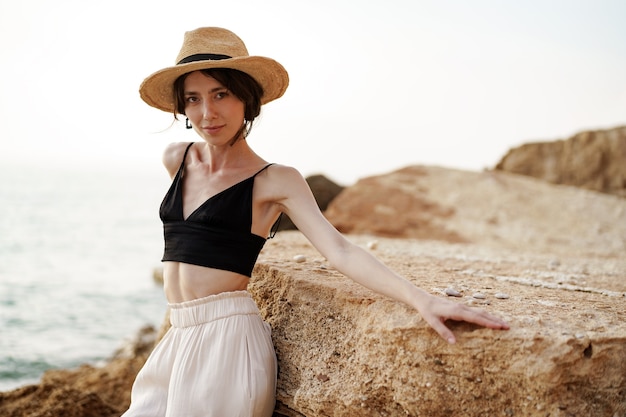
x,y
218,359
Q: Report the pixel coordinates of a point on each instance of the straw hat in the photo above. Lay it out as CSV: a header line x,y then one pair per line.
x,y
212,47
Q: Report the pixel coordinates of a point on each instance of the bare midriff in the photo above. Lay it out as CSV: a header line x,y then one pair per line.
x,y
185,282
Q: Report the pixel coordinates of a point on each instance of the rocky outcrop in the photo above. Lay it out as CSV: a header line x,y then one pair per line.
x,y
344,351
491,208
89,391
595,160
549,259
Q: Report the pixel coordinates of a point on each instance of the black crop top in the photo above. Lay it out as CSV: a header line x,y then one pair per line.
x,y
218,233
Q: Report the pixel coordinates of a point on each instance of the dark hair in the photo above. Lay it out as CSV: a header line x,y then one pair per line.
x,y
243,86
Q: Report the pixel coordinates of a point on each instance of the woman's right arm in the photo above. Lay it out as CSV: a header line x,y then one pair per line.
x,y
362,267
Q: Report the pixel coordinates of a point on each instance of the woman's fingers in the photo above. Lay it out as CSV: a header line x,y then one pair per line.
x,y
440,310
478,316
443,331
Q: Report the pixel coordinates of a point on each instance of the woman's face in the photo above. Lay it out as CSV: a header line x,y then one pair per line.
x,y
215,113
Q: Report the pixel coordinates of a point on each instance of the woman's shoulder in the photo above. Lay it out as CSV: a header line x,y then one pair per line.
x,y
173,156
281,173
285,180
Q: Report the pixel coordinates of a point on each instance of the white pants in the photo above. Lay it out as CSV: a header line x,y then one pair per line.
x,y
216,360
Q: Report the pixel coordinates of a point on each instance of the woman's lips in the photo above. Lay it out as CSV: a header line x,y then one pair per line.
x,y
212,129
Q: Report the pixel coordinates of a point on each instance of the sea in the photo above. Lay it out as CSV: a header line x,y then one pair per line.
x,y
78,249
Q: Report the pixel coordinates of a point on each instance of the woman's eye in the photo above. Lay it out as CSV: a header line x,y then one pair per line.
x,y
192,99
221,94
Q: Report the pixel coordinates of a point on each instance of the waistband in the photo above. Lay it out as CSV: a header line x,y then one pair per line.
x,y
211,308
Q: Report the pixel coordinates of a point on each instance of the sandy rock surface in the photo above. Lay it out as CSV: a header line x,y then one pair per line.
x,y
345,351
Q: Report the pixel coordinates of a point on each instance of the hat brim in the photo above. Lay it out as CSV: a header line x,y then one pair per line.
x,y
157,90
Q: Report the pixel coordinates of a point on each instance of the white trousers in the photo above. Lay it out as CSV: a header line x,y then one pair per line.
x,y
216,360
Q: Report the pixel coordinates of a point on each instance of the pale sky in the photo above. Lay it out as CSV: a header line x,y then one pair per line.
x,y
375,85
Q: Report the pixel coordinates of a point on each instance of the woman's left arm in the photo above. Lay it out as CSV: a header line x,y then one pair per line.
x,y
362,267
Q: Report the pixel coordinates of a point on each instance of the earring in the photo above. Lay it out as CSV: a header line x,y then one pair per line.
x,y
188,124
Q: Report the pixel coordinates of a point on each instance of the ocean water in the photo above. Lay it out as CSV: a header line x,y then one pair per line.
x,y
77,253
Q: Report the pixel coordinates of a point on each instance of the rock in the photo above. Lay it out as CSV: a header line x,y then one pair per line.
x,y
595,160
88,391
393,205
157,275
50,398
299,258
362,354
452,292
492,208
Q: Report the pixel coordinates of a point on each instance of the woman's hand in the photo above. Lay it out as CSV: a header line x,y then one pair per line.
x,y
436,310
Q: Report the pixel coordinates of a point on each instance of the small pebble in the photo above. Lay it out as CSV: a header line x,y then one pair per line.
x,y
299,258
372,244
452,292
501,296
479,295
554,264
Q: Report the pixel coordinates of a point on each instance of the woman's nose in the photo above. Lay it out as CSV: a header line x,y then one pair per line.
x,y
208,110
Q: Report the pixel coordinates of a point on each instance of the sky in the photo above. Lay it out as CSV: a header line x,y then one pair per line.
x,y
374,85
